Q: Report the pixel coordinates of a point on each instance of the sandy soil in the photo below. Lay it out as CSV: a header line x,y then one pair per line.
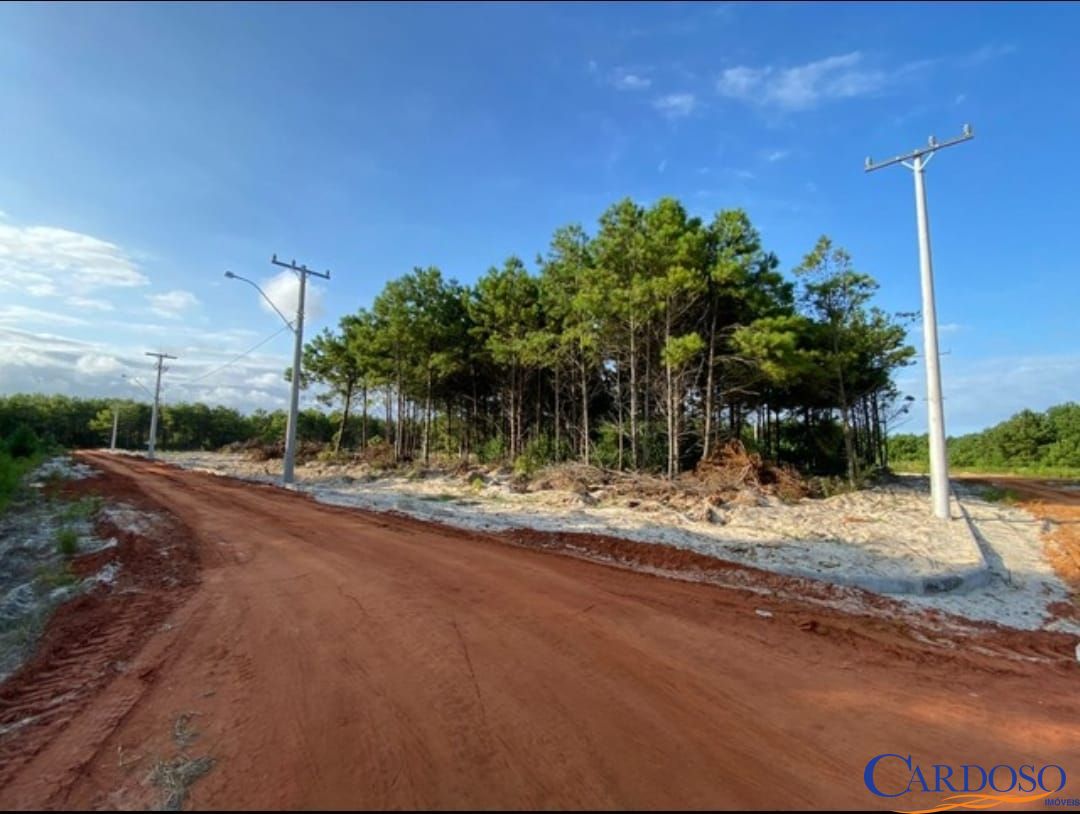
x,y
882,538
328,657
1057,505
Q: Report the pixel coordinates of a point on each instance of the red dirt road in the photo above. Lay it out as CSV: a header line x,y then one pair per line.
x,y
334,658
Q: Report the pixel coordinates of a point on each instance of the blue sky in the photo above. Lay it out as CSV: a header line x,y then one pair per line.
x,y
146,149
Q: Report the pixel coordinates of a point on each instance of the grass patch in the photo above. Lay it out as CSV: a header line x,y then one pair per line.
x,y
440,498
82,509
59,577
993,494
922,468
67,542
176,777
183,732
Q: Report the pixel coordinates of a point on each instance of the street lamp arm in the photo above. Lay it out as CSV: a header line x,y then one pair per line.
x,y
270,302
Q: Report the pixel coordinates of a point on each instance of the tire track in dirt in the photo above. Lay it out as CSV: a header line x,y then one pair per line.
x,y
88,640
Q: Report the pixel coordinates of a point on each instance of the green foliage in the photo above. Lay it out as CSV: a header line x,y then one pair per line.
x,y
1027,443
606,452
493,451
12,471
56,577
20,451
537,453
83,509
997,495
67,542
23,443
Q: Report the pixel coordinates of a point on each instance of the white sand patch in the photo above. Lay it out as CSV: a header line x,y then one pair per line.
x,y
62,466
883,538
129,519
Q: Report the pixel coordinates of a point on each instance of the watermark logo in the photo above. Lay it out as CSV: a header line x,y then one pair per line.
x,y
967,786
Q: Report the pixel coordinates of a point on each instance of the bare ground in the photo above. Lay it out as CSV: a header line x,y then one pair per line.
x,y
327,657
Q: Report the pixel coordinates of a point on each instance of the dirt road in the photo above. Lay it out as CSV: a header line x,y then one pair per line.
x,y
332,658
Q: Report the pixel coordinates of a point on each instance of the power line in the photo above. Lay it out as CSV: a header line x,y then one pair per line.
x,y
233,361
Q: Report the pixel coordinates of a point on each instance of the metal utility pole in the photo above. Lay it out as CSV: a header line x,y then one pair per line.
x,y
161,357
115,426
916,161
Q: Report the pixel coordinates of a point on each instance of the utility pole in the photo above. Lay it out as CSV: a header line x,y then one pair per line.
x,y
161,357
115,426
916,161
302,272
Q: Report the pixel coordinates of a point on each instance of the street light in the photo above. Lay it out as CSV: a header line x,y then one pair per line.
x,y
289,464
269,301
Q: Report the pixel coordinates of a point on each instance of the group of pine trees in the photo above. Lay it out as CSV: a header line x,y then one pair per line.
x,y
643,346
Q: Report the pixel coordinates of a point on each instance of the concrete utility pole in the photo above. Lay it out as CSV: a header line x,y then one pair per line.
x,y
297,327
161,357
115,426
916,161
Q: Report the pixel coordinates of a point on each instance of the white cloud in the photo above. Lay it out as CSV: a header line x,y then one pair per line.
x,y
21,314
98,363
33,362
740,82
987,53
42,289
44,260
662,166
803,86
625,80
172,304
284,291
676,105
776,155
89,303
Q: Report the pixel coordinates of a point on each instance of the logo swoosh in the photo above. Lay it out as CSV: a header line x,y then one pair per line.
x,y
979,802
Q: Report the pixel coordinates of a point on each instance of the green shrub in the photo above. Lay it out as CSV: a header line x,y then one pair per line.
x,y
83,509
59,577
538,453
22,443
493,451
12,471
995,495
67,542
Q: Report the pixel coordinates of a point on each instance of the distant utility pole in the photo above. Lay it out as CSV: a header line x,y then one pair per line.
x,y
115,426
161,357
916,161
